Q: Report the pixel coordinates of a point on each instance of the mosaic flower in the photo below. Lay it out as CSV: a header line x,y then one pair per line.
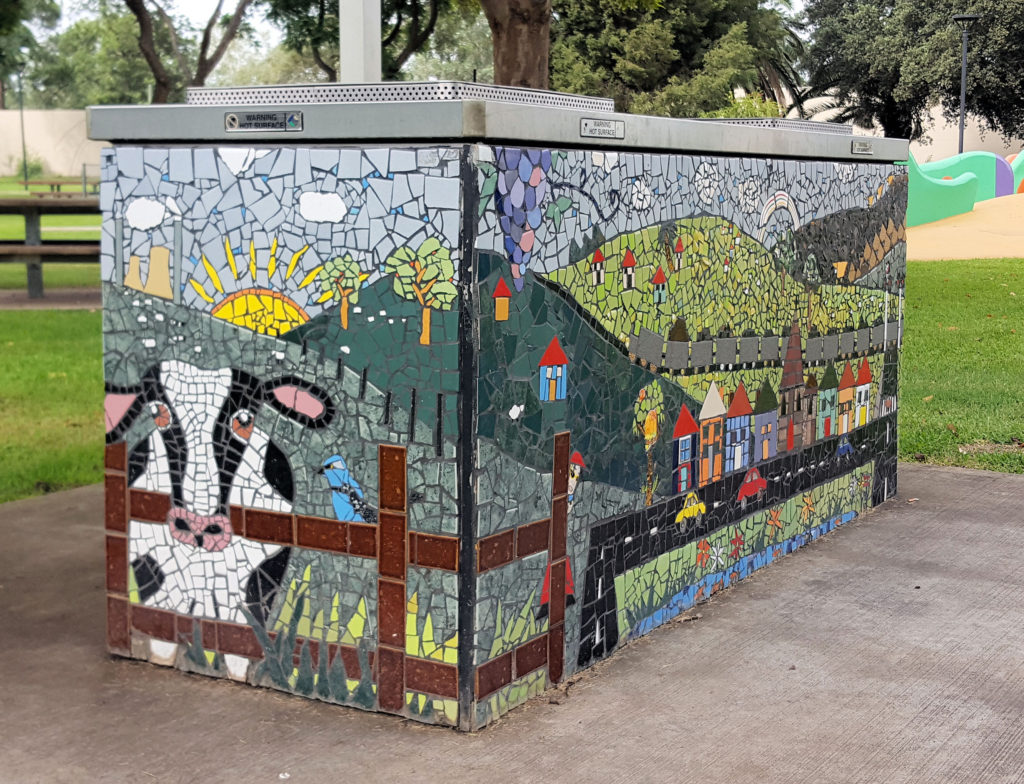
x,y
640,195
717,556
707,183
846,172
749,194
737,544
703,553
807,509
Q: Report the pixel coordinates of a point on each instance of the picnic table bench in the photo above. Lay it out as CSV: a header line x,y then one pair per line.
x,y
56,185
33,251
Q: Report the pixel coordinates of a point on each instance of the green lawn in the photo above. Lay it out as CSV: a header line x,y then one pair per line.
x,y
961,394
961,390
51,401
55,276
85,228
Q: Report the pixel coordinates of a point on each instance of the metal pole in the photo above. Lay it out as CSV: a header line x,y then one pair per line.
x,y
963,89
21,112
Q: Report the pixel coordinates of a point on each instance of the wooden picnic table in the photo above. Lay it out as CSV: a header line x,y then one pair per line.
x,y
33,250
56,185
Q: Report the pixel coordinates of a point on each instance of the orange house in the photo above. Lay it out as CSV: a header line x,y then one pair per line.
x,y
712,426
847,390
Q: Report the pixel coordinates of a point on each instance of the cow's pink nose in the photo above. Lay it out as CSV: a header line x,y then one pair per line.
x,y
210,532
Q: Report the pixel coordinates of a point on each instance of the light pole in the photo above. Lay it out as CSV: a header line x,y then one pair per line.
x,y
21,113
964,22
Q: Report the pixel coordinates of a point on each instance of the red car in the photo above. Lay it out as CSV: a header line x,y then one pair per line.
x,y
753,483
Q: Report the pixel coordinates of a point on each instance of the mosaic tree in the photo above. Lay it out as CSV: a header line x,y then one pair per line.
x,y
648,416
426,276
340,280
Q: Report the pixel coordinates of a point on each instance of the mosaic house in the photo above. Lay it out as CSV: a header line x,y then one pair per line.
x,y
426,427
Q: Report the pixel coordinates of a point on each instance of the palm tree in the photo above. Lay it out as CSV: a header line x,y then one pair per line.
x,y
780,50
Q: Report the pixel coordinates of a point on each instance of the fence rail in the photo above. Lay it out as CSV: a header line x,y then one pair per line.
x,y
755,351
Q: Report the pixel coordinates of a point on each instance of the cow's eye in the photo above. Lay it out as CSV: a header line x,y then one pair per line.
x,y
161,415
242,423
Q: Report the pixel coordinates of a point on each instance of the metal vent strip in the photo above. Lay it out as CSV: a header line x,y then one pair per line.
x,y
807,126
389,92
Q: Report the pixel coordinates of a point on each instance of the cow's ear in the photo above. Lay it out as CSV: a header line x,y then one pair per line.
x,y
299,400
120,408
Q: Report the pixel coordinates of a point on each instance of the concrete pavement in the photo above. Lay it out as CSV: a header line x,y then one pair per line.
x,y
890,651
992,230
53,299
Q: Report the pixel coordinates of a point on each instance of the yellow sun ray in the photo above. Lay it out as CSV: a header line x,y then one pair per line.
x,y
295,260
213,274
324,297
200,291
231,258
252,259
272,264
311,276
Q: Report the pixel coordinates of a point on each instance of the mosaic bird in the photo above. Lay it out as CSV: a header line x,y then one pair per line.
x,y
346,494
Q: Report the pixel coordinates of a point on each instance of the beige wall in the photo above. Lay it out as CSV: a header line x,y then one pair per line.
x,y
943,138
57,137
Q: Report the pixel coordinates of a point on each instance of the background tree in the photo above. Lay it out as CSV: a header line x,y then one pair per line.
x,y
753,105
671,59
340,280
878,61
196,64
424,276
777,37
94,61
311,27
887,62
648,416
995,66
459,48
18,43
254,61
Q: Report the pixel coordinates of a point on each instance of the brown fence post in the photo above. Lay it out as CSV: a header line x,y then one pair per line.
x,y
116,521
392,557
557,557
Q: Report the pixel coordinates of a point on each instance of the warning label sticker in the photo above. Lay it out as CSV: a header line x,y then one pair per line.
x,y
241,122
603,129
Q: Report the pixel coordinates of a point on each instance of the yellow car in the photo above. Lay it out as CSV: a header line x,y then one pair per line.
x,y
693,507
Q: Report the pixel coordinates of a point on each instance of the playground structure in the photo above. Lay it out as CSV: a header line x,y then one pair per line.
x,y
952,186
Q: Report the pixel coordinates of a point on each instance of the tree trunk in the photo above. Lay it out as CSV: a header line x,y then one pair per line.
x,y
344,311
521,39
650,478
147,45
425,329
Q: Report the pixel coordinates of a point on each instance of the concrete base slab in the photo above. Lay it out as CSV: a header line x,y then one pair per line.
x,y
890,651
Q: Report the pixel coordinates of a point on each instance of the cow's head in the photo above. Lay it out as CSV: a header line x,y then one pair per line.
x,y
208,441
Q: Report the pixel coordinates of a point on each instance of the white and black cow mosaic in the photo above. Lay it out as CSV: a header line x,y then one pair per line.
x,y
208,451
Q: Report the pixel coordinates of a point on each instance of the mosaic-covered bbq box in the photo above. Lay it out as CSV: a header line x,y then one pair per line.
x,y
424,400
